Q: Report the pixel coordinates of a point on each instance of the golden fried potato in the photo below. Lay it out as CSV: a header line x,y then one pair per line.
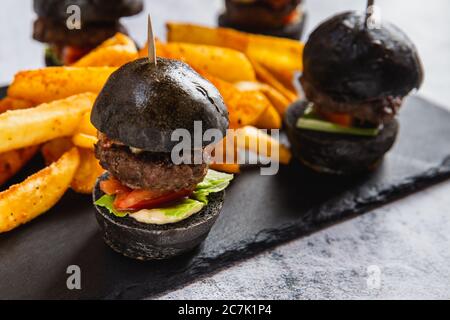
x,y
38,193
12,161
250,138
49,84
28,127
54,149
86,125
269,119
84,141
87,173
226,167
114,52
9,103
227,64
283,57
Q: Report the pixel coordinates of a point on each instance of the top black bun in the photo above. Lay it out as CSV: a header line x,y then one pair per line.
x,y
91,10
349,62
141,105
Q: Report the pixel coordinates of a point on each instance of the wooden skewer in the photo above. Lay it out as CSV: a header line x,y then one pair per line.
x,y
151,43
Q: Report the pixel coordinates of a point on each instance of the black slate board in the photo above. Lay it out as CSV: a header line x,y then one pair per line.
x,y
259,213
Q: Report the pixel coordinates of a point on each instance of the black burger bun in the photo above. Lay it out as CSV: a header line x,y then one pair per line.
x,y
337,153
155,242
91,10
352,63
141,105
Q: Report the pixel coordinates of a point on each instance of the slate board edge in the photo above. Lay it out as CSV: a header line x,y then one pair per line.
x,y
266,239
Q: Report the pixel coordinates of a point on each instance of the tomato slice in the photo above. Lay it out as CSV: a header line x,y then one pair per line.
x,y
113,186
73,54
342,119
146,199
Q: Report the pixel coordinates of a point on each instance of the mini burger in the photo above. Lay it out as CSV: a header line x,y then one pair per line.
x,y
99,21
355,79
281,18
148,207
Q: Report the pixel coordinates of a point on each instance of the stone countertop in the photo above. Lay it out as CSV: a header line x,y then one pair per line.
x,y
397,251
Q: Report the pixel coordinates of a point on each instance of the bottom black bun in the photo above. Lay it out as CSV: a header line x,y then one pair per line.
x,y
143,241
291,31
337,153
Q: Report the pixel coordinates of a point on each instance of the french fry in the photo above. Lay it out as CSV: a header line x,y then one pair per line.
x,y
54,149
86,126
269,119
29,127
265,76
87,173
280,102
282,57
226,167
12,161
250,138
244,107
38,193
114,52
84,141
227,64
9,103
49,84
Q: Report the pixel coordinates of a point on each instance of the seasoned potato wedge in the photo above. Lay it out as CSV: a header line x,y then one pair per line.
x,y
86,125
49,84
9,103
84,141
28,127
87,173
227,64
54,149
12,161
38,193
114,52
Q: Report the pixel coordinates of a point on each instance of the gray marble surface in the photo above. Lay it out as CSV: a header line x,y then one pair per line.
x,y
398,251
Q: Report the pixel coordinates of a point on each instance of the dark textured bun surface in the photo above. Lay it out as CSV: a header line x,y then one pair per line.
x,y
337,153
91,10
154,242
352,63
141,105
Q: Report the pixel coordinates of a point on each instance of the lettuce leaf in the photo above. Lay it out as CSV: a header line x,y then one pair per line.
x,y
213,182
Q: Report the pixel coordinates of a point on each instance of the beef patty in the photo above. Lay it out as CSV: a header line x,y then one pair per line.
x,y
147,170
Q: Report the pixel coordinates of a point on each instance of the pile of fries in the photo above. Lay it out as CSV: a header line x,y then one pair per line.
x,y
48,110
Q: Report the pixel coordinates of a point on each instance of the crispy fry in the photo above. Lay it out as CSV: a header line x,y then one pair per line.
x,y
227,64
281,56
12,161
38,193
54,149
49,84
88,172
226,167
280,102
9,103
114,52
269,119
250,138
86,126
28,127
84,141
265,76
244,107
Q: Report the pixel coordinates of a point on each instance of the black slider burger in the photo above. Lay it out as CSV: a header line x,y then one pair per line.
x,y
148,207
281,18
355,78
99,21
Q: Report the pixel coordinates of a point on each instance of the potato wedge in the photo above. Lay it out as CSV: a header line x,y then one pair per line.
x,y
12,161
226,167
54,149
9,103
87,173
49,84
265,76
86,125
269,119
28,127
250,138
38,193
84,141
280,102
282,57
114,52
227,64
